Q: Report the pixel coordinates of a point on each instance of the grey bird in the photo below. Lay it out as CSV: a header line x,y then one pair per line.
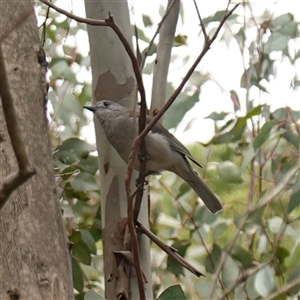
x,y
164,151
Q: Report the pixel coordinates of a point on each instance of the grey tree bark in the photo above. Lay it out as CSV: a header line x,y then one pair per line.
x,y
34,256
113,79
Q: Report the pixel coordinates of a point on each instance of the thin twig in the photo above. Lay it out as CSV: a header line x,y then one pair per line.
x,y
201,22
284,289
184,80
155,35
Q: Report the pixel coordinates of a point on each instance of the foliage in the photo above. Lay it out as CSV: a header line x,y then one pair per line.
x,y
253,149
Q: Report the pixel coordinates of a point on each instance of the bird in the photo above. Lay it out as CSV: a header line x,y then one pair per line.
x,y
164,151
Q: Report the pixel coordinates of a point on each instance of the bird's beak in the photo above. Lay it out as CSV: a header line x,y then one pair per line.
x,y
91,108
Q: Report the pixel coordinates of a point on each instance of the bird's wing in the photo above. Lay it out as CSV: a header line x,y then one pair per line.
x,y
174,143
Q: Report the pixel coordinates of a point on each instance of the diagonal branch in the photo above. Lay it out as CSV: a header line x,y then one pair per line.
x,y
169,250
206,47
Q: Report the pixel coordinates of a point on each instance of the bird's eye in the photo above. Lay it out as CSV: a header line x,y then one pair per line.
x,y
105,103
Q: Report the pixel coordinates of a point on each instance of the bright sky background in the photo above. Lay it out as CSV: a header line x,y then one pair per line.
x,y
223,62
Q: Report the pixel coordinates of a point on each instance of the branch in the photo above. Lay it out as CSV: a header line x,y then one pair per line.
x,y
169,250
206,38
284,289
185,79
16,179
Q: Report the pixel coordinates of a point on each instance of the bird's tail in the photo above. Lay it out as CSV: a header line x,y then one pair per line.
x,y
202,190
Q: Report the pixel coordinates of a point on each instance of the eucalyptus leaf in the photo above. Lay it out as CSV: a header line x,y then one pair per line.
x,y
179,108
229,172
77,275
92,295
82,253
84,182
230,272
88,239
295,197
174,292
264,282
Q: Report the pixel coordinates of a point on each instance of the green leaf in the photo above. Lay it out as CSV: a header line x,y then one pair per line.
x,y
282,254
229,172
295,197
276,42
77,146
218,17
286,25
90,164
220,230
84,182
248,157
150,52
67,157
174,292
180,40
92,295
292,138
250,289
75,238
295,274
77,276
85,94
238,129
88,239
230,272
172,265
147,21
211,261
184,188
242,255
179,108
264,134
217,116
82,253
264,282
275,224
72,193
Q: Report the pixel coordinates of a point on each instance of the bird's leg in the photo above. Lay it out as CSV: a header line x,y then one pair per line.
x,y
143,157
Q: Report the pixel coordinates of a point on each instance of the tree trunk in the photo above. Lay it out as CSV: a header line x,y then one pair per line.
x,y
34,262
113,79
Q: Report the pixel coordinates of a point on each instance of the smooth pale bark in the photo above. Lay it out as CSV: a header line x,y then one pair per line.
x,y
163,57
34,256
113,79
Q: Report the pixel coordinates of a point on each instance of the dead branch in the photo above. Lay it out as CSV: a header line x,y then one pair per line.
x,y
168,249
